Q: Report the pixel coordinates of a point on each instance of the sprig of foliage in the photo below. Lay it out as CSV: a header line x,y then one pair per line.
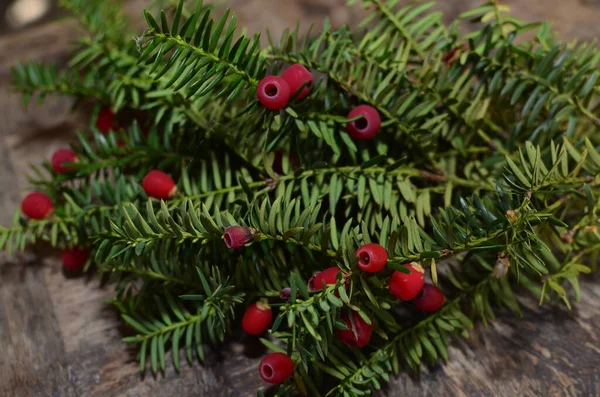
x,y
208,319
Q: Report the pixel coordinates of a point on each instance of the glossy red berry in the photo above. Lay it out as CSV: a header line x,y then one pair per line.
x,y
106,121
273,92
407,286
62,156
367,126
276,368
372,258
236,237
430,299
159,185
363,333
298,76
74,258
257,318
37,205
324,278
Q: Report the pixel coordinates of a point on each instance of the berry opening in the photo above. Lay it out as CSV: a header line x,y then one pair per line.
x,y
267,371
361,124
365,258
271,90
227,239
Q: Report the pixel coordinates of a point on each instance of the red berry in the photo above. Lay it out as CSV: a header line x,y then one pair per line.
x,y
257,318
63,156
372,258
276,368
366,127
74,258
297,76
37,205
237,236
106,120
325,277
407,286
159,185
363,333
430,299
273,92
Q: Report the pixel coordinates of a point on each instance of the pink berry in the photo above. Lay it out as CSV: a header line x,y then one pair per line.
x,y
363,331
372,258
273,92
430,299
37,205
407,286
366,127
62,156
297,76
257,318
276,368
74,258
159,185
236,237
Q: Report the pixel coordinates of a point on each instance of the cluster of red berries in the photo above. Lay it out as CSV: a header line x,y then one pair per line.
x,y
372,258
38,205
274,367
403,285
274,92
412,286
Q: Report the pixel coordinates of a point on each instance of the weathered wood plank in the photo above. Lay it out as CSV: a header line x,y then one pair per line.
x,y
34,362
548,352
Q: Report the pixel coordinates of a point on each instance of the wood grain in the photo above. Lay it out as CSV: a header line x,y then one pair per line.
x,y
58,339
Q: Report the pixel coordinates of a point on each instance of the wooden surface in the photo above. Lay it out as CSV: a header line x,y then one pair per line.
x,y
58,339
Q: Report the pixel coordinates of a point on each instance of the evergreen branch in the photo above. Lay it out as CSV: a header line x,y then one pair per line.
x,y
380,5
211,317
103,18
207,62
31,78
496,161
150,274
387,356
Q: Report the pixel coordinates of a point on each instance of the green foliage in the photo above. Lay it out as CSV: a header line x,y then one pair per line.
x,y
207,319
485,171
